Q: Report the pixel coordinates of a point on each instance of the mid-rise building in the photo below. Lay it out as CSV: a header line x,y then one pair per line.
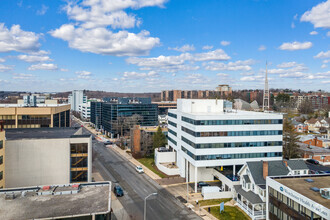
x,y
67,201
114,112
85,110
224,89
298,197
164,106
46,156
76,98
2,156
208,134
141,143
250,194
39,116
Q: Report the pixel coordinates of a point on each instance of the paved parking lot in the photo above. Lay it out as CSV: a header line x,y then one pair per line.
x,y
318,167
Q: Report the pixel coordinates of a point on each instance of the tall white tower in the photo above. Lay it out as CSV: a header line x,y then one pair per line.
x,y
265,103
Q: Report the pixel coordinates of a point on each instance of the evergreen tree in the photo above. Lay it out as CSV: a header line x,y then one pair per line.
x,y
290,139
159,139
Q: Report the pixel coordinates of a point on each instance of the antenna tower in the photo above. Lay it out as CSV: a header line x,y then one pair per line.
x,y
265,103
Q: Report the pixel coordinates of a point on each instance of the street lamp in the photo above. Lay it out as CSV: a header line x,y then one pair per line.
x,y
145,204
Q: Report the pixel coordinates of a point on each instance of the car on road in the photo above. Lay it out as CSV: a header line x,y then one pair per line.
x,y
202,184
118,191
139,169
107,142
312,161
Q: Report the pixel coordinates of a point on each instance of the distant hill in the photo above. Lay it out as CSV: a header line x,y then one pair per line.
x,y
100,94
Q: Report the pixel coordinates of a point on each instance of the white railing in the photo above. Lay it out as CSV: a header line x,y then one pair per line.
x,y
259,214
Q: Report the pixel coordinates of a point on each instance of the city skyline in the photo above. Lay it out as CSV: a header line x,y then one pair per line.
x,y
149,46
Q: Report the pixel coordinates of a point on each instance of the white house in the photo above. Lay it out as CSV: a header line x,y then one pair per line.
x,y
250,195
208,135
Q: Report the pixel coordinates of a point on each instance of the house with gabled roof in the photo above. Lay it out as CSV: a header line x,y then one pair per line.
x,y
250,195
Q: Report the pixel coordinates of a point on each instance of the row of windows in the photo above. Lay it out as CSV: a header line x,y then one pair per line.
x,y
231,122
172,132
172,123
172,115
173,141
230,156
230,133
237,144
4,117
290,203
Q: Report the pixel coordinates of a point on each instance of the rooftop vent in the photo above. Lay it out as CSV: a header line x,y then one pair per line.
x,y
315,189
309,180
325,193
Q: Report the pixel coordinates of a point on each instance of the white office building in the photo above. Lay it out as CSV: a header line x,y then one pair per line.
x,y
208,135
85,110
76,98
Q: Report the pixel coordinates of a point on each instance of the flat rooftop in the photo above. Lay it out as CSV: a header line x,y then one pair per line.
x,y
313,149
233,113
38,105
92,198
300,185
44,133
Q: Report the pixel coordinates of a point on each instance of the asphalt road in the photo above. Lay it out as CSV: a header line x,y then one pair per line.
x,y
119,170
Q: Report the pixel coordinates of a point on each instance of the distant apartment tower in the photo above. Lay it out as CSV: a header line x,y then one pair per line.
x,y
37,116
174,95
47,156
76,98
115,108
2,156
319,101
208,134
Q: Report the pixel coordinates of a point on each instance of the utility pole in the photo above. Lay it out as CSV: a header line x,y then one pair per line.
x,y
265,102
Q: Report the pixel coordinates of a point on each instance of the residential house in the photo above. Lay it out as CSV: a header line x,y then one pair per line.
x,y
300,127
250,195
315,125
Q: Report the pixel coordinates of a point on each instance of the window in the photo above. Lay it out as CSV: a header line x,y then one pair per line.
x,y
1,175
1,144
1,159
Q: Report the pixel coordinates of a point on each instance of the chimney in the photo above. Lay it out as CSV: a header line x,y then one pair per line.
x,y
264,169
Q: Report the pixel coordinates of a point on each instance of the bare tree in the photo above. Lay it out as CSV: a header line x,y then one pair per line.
x,y
305,107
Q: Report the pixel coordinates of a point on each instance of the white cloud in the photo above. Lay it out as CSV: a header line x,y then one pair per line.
x,y
184,48
207,47
222,74
293,25
242,65
22,76
43,10
2,60
328,34
34,58
43,66
319,15
323,55
176,63
262,48
288,64
295,16
296,45
323,66
293,75
15,39
4,68
225,43
136,75
326,82
288,68
313,33
252,78
103,41
83,74
193,78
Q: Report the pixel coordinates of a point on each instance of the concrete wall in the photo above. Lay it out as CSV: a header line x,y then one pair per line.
x,y
32,162
168,171
166,157
203,174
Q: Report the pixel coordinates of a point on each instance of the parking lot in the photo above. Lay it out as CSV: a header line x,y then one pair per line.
x,y
318,167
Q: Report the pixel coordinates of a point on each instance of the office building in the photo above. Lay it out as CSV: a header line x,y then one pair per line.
x,y
39,116
85,110
298,197
46,156
208,134
76,98
164,106
224,89
250,194
96,114
2,156
117,112
68,201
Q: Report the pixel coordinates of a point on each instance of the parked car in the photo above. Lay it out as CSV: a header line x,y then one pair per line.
x,y
118,191
107,142
139,169
202,184
312,161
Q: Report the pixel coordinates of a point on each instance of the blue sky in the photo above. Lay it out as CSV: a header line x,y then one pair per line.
x,y
153,45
